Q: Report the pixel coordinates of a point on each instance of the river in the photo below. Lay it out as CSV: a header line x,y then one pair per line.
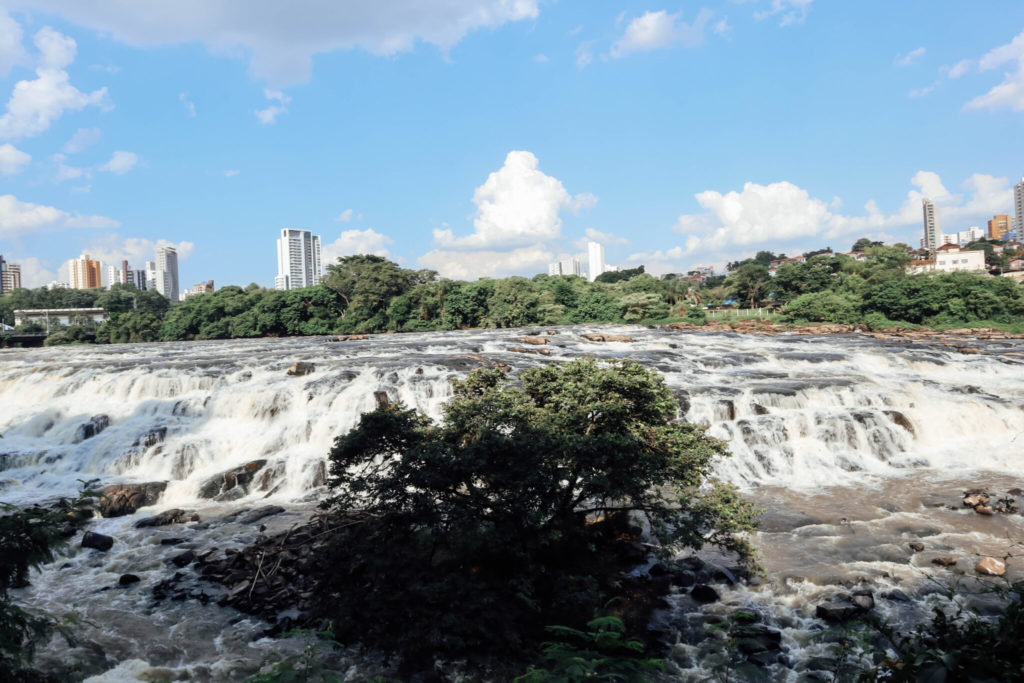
x,y
855,446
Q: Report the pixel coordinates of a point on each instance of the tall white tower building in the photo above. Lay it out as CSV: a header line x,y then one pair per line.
x,y
595,252
933,237
165,276
1018,208
298,259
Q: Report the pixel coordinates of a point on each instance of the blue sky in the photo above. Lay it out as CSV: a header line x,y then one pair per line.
x,y
488,137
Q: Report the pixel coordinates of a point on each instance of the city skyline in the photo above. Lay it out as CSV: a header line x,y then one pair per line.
x,y
493,138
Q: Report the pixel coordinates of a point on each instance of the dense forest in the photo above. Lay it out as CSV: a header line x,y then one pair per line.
x,y
364,294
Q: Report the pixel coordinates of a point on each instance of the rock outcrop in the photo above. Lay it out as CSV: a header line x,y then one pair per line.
x,y
301,369
124,499
95,425
232,484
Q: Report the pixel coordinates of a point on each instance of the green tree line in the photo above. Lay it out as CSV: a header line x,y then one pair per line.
x,y
366,294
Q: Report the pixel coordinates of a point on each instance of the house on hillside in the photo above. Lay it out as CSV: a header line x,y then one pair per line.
x,y
950,258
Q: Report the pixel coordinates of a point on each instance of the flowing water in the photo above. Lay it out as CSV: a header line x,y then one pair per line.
x,y
855,447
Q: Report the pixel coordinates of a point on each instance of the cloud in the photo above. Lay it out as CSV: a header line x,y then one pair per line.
x,y
345,216
11,51
35,105
18,218
921,92
959,69
541,58
655,30
231,173
910,57
584,54
604,237
280,45
517,205
34,271
190,106
456,265
781,213
269,115
12,160
722,27
81,140
113,248
65,172
1009,93
121,162
792,11
357,242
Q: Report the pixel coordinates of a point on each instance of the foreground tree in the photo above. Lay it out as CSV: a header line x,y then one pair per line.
x,y
467,537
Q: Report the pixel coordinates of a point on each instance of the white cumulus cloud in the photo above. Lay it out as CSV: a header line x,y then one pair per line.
x,y
18,218
269,115
120,162
113,248
81,140
654,30
1010,93
517,205
280,43
35,105
791,11
12,160
910,57
458,265
11,51
352,242
190,106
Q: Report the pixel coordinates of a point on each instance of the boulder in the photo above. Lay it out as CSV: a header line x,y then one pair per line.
x,y
128,579
975,497
152,437
704,594
916,547
95,425
100,542
172,516
968,350
253,516
864,599
896,595
382,400
184,559
536,341
990,566
232,484
838,611
521,349
124,499
607,337
984,509
1006,505
351,337
301,368
944,561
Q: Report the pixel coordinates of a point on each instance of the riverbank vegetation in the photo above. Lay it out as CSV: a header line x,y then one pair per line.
x,y
368,294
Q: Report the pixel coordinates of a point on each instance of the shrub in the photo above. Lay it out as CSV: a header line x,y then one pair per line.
x,y
823,307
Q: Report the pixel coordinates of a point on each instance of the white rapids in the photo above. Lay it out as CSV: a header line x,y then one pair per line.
x,y
818,428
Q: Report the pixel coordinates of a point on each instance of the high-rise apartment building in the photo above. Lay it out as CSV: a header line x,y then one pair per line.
x,y
1018,207
165,272
565,266
85,273
10,276
595,253
298,259
999,226
933,238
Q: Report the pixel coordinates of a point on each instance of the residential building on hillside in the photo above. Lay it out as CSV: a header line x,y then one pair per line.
x,y
932,232
85,272
999,227
298,259
201,288
54,317
948,259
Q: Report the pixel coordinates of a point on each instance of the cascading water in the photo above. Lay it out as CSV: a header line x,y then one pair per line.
x,y
851,416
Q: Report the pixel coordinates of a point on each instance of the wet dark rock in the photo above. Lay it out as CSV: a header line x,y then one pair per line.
x,y
1006,506
863,599
67,529
944,561
916,547
232,484
301,369
253,516
756,638
100,542
124,499
896,595
151,438
838,611
128,579
704,594
684,578
184,559
901,420
95,425
969,350
172,516
759,409
382,400
171,541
